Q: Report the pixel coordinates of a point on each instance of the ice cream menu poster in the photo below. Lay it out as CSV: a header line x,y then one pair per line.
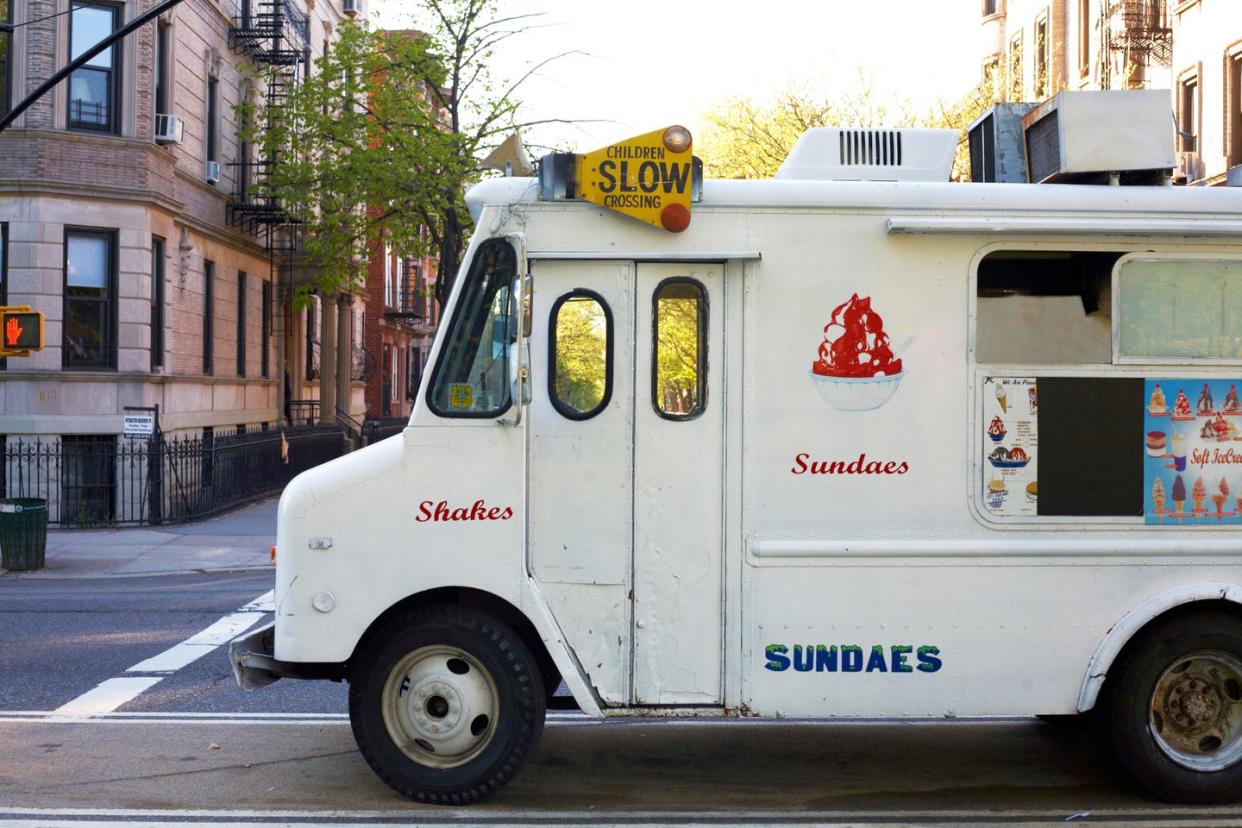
x,y
1193,464
1010,440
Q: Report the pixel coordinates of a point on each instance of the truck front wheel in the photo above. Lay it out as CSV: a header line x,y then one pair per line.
x,y
1175,709
446,704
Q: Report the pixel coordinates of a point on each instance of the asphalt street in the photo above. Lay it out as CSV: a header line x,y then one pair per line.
x,y
192,749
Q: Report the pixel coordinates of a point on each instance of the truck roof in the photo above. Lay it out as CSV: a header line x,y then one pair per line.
x,y
1000,199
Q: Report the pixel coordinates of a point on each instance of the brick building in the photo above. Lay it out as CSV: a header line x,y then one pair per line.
x,y
1032,49
125,219
398,333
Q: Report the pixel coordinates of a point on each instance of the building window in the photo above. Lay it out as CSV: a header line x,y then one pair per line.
x,y
163,69
157,303
265,358
415,364
87,479
1233,120
1188,113
6,16
1084,37
213,119
95,88
310,341
389,283
1041,57
90,289
989,7
1015,68
209,291
241,323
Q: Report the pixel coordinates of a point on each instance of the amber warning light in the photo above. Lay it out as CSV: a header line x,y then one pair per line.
x,y
651,177
22,329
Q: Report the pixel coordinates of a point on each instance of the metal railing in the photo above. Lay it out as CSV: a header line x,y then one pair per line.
x,y
303,412
376,430
105,480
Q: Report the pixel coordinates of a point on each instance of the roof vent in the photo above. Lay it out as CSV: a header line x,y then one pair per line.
x,y
832,154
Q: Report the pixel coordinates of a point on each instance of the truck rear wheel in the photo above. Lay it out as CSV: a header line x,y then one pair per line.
x,y
1175,709
446,704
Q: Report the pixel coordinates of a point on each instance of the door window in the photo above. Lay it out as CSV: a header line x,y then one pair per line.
x,y
471,377
580,354
679,370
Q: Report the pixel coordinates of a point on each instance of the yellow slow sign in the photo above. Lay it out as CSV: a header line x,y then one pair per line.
x,y
648,177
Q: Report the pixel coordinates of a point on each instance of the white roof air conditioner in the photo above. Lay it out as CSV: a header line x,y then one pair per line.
x,y
168,129
1078,134
832,154
213,172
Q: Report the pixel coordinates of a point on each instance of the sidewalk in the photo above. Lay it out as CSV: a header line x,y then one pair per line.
x,y
240,539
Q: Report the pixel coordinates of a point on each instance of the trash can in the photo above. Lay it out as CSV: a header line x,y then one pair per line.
x,y
23,533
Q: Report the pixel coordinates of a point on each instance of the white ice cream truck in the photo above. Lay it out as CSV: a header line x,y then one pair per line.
x,y
853,442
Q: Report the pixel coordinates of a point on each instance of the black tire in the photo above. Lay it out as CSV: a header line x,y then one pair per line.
x,y
1129,704
519,703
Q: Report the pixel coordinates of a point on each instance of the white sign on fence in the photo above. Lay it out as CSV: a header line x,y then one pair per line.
x,y
139,425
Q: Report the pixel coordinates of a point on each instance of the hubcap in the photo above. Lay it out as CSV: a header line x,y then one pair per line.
x,y
440,706
1196,711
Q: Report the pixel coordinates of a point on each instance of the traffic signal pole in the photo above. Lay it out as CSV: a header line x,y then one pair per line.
x,y
49,84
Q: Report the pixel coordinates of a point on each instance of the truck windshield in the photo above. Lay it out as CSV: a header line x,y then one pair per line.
x,y
471,378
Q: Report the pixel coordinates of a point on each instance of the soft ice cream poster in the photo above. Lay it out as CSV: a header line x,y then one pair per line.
x,y
1192,468
1010,439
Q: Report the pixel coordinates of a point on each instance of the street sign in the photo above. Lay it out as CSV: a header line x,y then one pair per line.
x,y
649,177
139,425
21,331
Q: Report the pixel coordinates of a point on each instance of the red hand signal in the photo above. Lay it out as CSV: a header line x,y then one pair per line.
x,y
12,332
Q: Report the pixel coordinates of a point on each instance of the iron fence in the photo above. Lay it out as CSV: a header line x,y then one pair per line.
x,y
102,480
376,430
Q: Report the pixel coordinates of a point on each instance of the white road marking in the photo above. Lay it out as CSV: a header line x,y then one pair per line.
x,y
107,696
264,603
199,644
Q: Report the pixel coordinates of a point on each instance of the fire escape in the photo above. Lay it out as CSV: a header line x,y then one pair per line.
x,y
1137,37
274,34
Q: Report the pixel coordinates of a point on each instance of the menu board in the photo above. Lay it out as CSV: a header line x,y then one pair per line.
x,y
1010,440
1192,471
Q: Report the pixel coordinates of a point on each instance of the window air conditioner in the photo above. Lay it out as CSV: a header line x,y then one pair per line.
x,y
351,7
213,172
168,129
997,152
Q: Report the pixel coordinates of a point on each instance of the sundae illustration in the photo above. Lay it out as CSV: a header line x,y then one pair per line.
x,y
1032,491
1157,495
1206,405
1179,495
1181,407
1220,498
1157,407
1156,443
996,493
1208,432
856,369
1231,404
1014,458
996,430
1221,429
1199,495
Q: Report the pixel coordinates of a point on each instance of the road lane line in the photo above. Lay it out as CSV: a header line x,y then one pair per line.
x,y
111,694
264,603
199,644
107,696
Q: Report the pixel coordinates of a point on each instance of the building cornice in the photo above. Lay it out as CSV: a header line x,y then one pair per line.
x,y
129,377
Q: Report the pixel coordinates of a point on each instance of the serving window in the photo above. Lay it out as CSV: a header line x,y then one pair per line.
x,y
1080,410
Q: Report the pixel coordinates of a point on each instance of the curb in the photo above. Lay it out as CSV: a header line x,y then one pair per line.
x,y
14,575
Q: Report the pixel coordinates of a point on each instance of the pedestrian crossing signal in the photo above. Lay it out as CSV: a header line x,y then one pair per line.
x,y
21,331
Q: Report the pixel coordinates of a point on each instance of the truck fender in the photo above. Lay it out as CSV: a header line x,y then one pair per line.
x,y
536,609
1135,620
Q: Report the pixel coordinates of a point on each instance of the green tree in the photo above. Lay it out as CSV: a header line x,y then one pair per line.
x,y
385,135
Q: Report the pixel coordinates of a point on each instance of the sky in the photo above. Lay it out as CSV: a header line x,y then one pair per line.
x,y
651,63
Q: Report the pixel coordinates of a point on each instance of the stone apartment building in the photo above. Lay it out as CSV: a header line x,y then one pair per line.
x,y
121,219
1032,49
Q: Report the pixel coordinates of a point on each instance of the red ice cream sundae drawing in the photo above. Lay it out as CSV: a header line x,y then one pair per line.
x,y
856,369
1181,407
996,430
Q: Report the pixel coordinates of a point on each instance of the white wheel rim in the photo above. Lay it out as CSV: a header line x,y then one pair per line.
x,y
440,706
1195,714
